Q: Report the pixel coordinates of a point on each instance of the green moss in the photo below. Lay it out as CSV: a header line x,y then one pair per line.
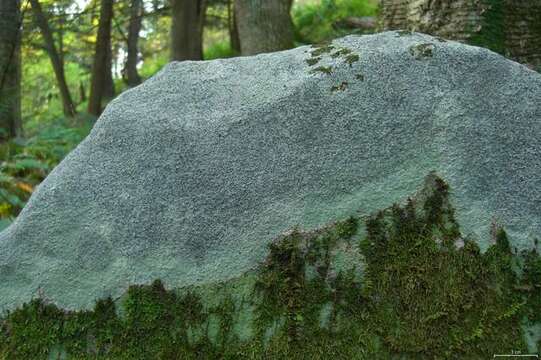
x,y
424,288
36,321
408,291
530,285
313,61
347,228
341,87
341,52
321,49
351,59
322,69
422,51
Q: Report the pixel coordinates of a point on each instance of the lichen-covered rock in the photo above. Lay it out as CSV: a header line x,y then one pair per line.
x,y
400,283
188,177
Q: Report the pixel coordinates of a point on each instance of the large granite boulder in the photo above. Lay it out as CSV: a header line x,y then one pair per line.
x,y
188,177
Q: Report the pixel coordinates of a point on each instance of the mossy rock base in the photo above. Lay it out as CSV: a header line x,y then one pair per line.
x,y
402,283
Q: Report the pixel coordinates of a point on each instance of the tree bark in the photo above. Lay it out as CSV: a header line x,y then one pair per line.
x,y
109,84
233,27
136,12
10,69
56,60
264,25
101,58
187,29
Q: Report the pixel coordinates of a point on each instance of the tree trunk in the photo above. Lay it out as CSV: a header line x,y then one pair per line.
x,y
233,27
101,58
109,84
264,25
10,69
56,60
82,92
187,29
136,12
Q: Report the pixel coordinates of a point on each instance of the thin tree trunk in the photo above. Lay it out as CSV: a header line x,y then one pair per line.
x,y
82,92
56,60
108,83
101,56
136,12
264,25
233,27
187,29
10,69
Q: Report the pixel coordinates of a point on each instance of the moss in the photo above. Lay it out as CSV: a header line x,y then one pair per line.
x,y
530,285
322,69
321,49
33,330
341,87
351,59
347,228
313,61
341,52
419,288
359,76
422,51
419,296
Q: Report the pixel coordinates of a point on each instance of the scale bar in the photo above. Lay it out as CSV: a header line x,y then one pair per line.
x,y
516,355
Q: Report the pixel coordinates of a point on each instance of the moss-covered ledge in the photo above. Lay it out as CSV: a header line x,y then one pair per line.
x,y
401,284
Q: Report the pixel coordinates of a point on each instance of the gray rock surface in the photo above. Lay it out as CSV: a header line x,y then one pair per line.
x,y
188,177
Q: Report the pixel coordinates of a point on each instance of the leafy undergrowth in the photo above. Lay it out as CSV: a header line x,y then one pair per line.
x,y
317,22
402,283
25,163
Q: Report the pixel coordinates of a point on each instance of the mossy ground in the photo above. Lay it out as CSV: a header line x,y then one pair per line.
x,y
402,283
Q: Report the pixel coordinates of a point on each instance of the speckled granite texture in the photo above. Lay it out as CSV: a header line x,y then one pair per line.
x,y
188,177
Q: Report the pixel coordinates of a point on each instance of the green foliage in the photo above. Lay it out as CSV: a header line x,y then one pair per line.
x,y
420,295
219,50
27,162
315,22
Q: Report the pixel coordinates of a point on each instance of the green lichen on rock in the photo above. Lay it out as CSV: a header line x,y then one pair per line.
x,y
340,87
313,60
422,51
402,283
321,49
322,69
351,58
341,52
